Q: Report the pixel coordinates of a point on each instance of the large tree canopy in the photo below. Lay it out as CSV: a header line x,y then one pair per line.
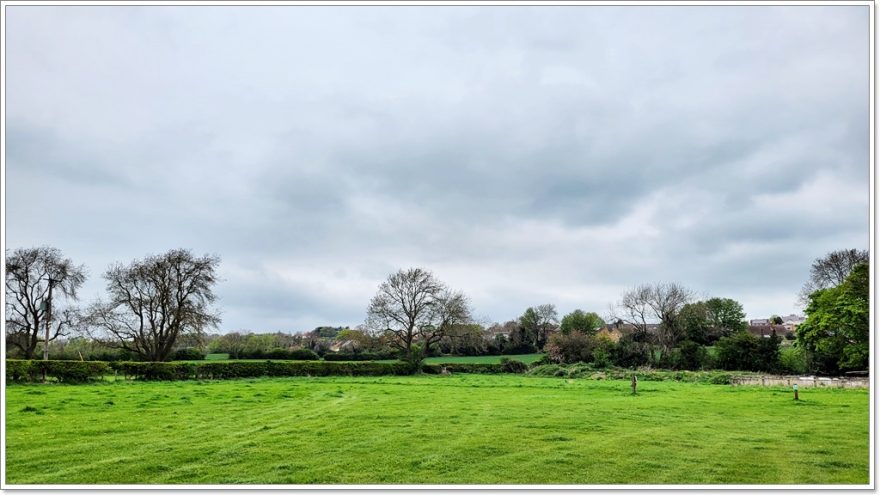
x,y
837,327
29,274
537,322
832,269
415,310
581,321
155,300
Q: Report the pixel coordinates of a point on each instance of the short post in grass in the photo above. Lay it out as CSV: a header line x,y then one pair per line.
x,y
795,392
634,383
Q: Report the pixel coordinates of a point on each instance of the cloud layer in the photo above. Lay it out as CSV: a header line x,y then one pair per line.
x,y
524,154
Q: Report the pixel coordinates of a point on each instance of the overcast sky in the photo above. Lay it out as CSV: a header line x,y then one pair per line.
x,y
524,155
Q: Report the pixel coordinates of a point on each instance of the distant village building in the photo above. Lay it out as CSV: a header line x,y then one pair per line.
x,y
762,326
766,331
791,322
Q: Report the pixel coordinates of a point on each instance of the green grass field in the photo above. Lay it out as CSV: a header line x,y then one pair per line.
x,y
497,429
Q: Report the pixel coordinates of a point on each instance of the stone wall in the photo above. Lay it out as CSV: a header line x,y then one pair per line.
x,y
802,381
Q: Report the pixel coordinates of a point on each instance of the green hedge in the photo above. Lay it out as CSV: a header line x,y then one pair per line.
x,y
63,371
482,368
362,356
250,369
80,371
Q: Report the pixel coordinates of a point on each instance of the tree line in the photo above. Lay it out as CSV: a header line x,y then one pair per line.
x,y
160,307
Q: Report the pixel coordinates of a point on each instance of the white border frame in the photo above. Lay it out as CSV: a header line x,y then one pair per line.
x,y
866,3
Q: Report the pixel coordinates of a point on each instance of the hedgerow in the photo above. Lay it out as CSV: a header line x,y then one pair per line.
x,y
60,370
250,369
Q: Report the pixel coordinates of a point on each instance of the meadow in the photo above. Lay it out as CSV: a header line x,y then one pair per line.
x,y
458,429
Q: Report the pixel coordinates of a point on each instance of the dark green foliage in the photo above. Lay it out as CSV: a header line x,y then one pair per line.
x,y
155,371
513,366
522,348
360,356
767,358
481,368
737,352
20,370
630,353
250,369
690,356
63,371
280,354
744,351
188,354
837,329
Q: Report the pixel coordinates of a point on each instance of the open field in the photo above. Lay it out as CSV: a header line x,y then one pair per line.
x,y
432,429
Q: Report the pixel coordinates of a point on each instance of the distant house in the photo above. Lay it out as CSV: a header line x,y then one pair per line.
x,y
759,322
766,331
791,322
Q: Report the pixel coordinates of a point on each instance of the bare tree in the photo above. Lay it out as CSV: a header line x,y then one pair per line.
x,y
33,277
660,303
831,270
666,302
416,310
155,300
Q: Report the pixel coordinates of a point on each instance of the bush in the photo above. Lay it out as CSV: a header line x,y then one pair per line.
x,y
20,370
744,351
793,360
689,356
482,368
629,353
360,356
63,371
303,355
188,354
513,366
154,371
571,348
280,354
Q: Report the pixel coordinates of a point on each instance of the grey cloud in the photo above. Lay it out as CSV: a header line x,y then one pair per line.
x,y
526,154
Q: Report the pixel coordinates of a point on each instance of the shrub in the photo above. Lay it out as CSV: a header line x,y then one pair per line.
x,y
482,368
570,348
20,370
513,366
280,354
154,371
793,360
188,354
63,371
690,356
359,356
74,371
303,355
629,353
